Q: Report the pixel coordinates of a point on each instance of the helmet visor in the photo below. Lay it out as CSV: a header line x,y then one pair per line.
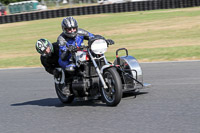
x,y
71,30
47,51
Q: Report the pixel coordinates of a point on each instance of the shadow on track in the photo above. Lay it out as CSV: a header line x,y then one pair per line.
x,y
42,102
54,102
133,94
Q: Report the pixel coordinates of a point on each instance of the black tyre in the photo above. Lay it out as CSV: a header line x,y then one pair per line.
x,y
113,94
63,97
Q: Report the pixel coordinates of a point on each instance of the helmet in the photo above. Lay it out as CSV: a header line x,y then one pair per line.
x,y
68,24
42,45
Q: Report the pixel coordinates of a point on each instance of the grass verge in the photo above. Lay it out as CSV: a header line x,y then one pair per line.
x,y
158,35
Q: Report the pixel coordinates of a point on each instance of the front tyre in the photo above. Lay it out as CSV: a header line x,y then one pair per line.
x,y
113,94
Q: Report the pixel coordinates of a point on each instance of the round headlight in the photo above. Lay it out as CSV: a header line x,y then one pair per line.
x,y
99,46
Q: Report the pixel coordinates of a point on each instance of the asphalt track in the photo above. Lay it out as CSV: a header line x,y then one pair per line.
x,y
172,105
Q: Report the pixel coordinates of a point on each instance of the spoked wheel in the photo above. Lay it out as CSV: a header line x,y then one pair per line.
x,y
59,84
113,94
64,97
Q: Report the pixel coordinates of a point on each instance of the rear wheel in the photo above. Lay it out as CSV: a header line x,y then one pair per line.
x,y
59,85
64,98
113,94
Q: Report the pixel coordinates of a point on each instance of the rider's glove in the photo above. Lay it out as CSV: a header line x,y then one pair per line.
x,y
72,48
110,42
56,73
64,55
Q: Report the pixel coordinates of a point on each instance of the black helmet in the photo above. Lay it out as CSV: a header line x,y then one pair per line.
x,y
41,46
67,24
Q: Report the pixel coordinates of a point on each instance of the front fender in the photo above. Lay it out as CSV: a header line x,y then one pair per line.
x,y
105,67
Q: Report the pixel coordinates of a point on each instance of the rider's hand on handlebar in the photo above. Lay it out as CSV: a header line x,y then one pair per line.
x,y
110,42
82,47
72,48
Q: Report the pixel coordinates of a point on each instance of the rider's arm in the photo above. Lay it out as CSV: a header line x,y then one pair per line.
x,y
85,34
61,61
61,40
62,48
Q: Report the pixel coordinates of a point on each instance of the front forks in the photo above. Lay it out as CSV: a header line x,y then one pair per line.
x,y
98,71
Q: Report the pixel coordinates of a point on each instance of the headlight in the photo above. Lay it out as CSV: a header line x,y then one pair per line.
x,y
99,46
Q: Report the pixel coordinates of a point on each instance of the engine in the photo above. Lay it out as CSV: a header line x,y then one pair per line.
x,y
85,81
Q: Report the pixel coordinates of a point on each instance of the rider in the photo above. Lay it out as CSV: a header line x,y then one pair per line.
x,y
74,36
49,55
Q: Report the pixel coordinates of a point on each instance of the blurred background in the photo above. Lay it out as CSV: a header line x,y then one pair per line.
x,y
18,6
59,8
152,30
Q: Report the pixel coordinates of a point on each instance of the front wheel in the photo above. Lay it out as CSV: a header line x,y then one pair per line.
x,y
113,94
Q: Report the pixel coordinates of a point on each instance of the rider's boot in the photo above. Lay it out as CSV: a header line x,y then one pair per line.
x,y
66,90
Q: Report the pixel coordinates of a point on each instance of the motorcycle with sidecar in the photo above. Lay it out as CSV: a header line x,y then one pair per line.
x,y
95,77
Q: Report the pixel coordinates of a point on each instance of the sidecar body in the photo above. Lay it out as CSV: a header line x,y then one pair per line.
x,y
130,72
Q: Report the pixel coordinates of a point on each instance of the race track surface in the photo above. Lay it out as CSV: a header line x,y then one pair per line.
x,y
29,104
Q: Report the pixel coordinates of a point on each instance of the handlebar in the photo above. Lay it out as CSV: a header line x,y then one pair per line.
x,y
75,49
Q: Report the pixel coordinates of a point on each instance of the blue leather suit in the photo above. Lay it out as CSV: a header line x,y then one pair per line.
x,y
64,43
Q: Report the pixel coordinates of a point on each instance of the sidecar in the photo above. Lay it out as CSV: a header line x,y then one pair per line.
x,y
130,72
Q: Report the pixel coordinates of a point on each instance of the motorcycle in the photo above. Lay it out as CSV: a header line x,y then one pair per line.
x,y
95,77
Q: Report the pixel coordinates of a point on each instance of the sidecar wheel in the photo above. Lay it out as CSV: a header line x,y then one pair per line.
x,y
62,97
113,94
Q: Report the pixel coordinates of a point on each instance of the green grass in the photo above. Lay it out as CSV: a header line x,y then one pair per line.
x,y
25,61
158,35
162,54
